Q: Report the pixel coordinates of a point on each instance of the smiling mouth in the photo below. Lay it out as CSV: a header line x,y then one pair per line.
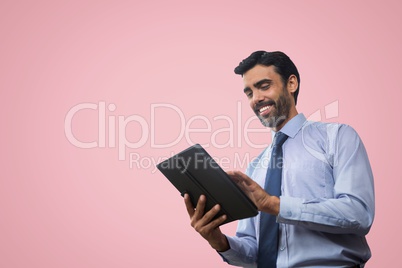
x,y
264,110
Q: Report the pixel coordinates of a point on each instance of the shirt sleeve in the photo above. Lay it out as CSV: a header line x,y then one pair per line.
x,y
243,247
351,210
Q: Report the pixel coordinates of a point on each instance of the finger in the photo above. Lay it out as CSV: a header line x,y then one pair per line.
x,y
189,205
238,180
216,223
236,176
233,176
230,173
199,211
206,222
211,214
243,177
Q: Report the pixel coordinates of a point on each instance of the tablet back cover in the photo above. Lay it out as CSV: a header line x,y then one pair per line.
x,y
193,171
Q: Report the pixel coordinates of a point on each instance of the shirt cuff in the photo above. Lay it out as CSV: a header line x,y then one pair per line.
x,y
290,209
232,252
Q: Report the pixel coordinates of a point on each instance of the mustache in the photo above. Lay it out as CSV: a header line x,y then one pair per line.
x,y
259,105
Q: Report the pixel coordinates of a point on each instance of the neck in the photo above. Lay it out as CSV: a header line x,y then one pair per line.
x,y
292,113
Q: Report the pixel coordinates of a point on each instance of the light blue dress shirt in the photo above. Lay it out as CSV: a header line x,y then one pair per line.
x,y
327,201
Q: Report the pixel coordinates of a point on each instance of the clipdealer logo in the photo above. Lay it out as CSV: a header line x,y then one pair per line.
x,y
112,130
109,123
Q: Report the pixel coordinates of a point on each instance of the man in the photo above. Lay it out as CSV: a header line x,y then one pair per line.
x,y
325,204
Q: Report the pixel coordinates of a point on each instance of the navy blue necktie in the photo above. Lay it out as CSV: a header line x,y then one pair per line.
x,y
268,244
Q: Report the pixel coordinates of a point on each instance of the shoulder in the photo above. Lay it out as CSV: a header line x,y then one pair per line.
x,y
329,139
325,131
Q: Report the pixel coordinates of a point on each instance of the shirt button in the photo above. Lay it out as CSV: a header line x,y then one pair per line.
x,y
289,213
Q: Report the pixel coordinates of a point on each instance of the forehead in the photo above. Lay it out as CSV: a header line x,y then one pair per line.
x,y
259,72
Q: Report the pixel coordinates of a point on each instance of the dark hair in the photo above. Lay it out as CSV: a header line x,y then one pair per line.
x,y
283,65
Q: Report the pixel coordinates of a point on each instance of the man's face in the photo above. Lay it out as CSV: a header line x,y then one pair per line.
x,y
268,96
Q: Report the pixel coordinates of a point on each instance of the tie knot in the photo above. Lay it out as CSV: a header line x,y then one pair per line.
x,y
280,138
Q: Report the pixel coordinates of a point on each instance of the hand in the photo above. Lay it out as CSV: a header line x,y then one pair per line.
x,y
264,202
202,223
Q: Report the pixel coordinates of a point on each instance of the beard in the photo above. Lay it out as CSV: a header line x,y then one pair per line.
x,y
280,112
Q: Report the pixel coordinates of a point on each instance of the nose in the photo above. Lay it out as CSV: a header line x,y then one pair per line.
x,y
257,96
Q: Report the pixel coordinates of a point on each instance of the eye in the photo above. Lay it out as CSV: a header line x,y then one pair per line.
x,y
249,93
265,86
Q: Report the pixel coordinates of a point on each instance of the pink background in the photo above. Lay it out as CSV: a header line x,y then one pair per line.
x,y
63,206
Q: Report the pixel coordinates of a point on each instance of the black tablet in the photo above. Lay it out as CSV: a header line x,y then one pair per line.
x,y
195,172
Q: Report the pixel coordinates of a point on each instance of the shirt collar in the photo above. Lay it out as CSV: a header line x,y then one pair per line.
x,y
293,126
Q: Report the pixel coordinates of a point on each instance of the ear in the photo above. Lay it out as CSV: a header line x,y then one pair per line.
x,y
292,84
